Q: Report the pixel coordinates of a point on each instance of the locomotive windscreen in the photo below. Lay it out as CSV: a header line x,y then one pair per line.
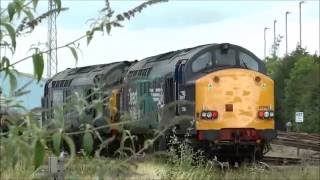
x,y
220,58
225,57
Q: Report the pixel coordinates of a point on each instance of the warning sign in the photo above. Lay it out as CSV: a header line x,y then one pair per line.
x,y
299,117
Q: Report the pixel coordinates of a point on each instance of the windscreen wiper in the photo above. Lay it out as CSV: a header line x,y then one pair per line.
x,y
245,65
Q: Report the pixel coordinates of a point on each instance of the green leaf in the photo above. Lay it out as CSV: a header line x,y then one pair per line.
x,y
12,33
1,35
89,36
38,154
56,142
21,93
19,6
108,27
148,143
13,81
96,29
71,146
5,63
58,113
58,4
120,17
38,65
11,10
87,143
29,14
35,3
74,53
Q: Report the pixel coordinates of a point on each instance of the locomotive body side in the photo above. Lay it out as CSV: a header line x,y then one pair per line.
x,y
60,89
150,88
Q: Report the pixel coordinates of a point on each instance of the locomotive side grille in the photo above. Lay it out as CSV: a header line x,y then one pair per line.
x,y
61,83
139,73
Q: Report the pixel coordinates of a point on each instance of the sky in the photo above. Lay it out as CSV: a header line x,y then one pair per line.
x,y
171,26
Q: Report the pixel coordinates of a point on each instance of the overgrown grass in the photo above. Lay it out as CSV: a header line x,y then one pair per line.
x,y
304,172
181,162
159,168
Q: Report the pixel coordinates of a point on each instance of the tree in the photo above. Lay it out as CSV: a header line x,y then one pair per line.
x,y
296,78
302,93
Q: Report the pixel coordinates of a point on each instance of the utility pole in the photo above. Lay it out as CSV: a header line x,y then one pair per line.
x,y
52,61
265,41
300,42
287,12
274,37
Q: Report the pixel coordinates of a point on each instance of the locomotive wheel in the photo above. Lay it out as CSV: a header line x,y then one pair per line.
x,y
110,149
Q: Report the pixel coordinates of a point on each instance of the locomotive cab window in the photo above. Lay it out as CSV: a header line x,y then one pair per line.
x,y
113,77
248,62
225,57
202,62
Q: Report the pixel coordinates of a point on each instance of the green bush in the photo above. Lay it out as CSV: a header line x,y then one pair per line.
x,y
296,79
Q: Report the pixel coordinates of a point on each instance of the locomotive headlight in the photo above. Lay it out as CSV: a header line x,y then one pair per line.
x,y
203,115
271,114
209,115
266,114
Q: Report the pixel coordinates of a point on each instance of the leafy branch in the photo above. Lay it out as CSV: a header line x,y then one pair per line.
x,y
102,24
16,142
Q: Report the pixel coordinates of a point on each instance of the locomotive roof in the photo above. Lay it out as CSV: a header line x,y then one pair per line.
x,y
164,64
85,75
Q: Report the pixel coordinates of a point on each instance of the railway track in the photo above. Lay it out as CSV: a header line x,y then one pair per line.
x,y
289,160
299,140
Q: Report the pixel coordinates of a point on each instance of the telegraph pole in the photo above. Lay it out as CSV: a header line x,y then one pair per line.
x,y
300,42
287,32
265,41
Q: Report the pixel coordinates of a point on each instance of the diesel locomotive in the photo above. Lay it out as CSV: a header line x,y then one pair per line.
x,y
228,93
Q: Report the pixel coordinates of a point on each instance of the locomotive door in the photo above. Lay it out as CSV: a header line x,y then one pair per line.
x,y
180,92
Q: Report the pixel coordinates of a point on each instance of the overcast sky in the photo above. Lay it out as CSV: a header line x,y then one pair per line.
x,y
174,25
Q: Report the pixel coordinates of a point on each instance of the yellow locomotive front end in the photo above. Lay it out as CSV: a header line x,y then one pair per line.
x,y
235,112
234,102
237,98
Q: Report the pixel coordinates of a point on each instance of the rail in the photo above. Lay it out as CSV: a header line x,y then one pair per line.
x,y
274,160
298,140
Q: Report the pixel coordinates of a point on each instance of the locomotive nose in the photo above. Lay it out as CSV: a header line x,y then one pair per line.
x,y
236,95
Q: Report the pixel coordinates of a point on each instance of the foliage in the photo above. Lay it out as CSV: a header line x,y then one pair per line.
x,y
183,162
24,145
183,158
275,45
10,29
23,142
296,79
156,168
20,17
302,93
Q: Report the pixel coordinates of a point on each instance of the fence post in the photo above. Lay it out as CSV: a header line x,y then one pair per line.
x,y
56,167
